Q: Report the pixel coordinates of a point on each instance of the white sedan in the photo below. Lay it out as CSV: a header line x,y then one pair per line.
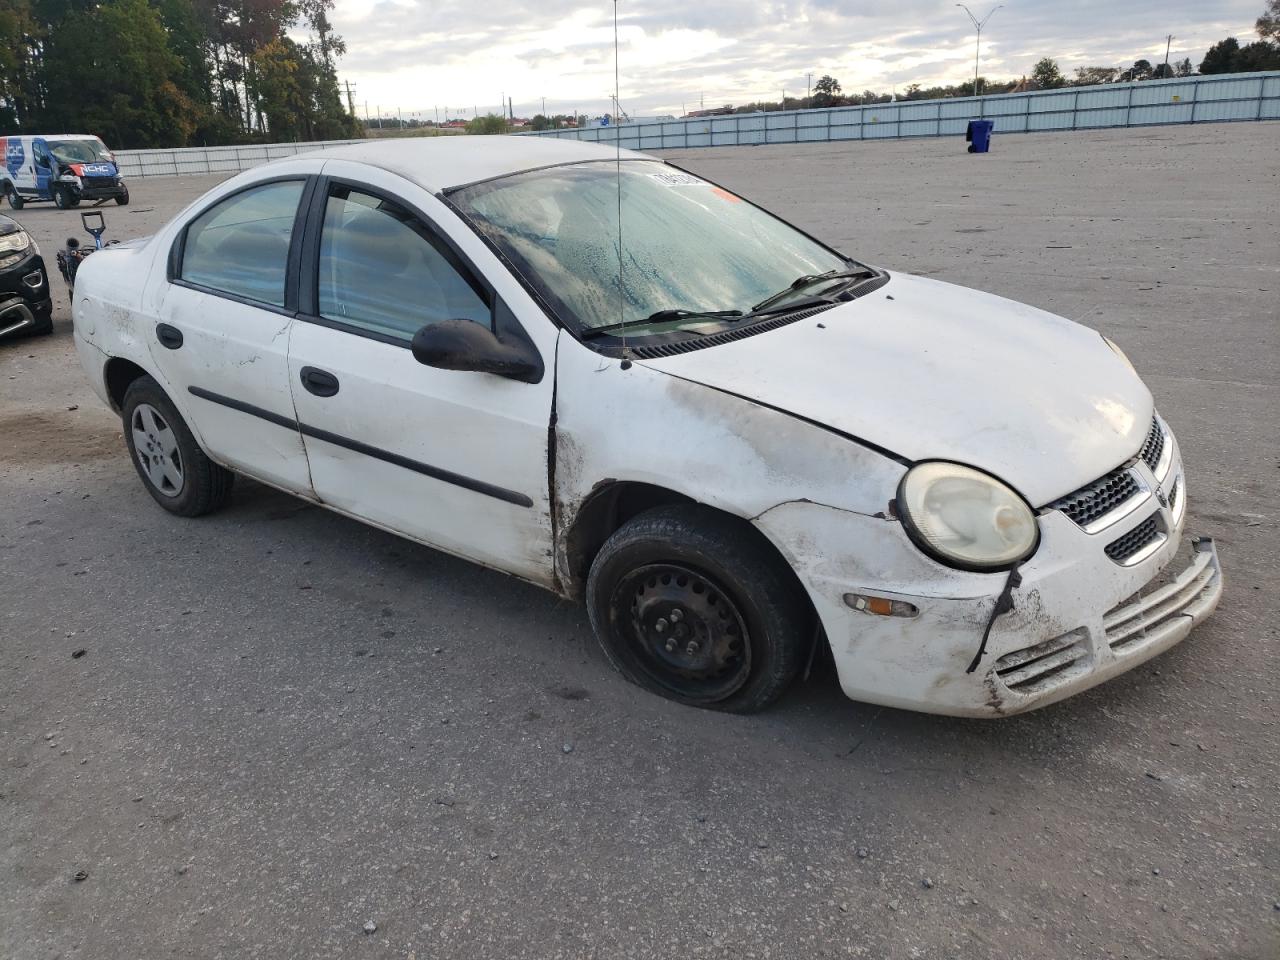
x,y
622,382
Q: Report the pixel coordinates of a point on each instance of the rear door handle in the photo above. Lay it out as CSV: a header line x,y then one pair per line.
x,y
320,382
170,337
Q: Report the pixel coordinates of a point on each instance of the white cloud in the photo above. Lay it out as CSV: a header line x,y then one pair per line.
x,y
418,55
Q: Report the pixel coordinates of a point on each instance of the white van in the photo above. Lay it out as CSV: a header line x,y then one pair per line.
x,y
64,167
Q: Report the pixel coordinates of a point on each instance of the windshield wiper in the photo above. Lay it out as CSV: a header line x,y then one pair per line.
x,y
808,280
661,316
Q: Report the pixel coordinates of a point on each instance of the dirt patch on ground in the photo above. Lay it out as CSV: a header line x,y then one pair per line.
x,y
50,438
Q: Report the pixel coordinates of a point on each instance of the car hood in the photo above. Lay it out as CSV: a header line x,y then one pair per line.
x,y
933,371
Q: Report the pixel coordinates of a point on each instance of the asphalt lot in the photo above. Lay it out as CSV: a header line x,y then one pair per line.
x,y
286,724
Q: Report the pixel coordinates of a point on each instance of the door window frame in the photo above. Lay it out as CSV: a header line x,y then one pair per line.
x,y
290,306
309,266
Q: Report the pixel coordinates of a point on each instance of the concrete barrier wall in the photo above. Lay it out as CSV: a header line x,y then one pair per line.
x,y
1243,96
1226,97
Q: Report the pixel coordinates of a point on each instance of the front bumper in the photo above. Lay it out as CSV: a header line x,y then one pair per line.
x,y
25,301
1079,617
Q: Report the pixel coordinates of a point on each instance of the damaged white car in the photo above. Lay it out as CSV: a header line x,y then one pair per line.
x,y
620,381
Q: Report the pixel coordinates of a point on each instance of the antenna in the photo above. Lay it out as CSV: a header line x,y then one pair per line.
x,y
617,140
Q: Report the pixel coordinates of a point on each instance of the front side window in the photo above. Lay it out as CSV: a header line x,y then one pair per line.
x,y
241,245
383,270
686,244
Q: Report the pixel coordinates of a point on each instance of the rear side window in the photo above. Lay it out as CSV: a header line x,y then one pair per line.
x,y
241,245
383,270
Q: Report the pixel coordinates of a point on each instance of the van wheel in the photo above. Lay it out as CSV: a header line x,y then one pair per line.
x,y
695,606
62,198
172,466
123,199
15,199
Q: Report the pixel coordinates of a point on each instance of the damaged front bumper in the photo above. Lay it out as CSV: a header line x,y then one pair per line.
x,y
1078,617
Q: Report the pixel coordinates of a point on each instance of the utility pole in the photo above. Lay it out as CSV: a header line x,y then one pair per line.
x,y
808,86
977,49
1168,42
351,98
544,106
379,116
400,118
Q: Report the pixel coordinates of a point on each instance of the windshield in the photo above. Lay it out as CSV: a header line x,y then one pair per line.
x,y
688,245
79,151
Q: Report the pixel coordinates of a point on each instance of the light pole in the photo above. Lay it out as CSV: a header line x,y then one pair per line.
x,y
977,49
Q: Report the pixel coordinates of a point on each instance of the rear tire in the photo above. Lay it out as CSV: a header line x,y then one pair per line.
x,y
170,463
697,607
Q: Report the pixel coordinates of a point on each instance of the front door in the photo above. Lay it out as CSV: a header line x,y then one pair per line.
x,y
42,167
454,459
223,334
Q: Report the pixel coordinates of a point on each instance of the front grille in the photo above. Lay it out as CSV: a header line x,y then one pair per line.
x,y
1045,665
1174,492
98,181
1137,539
1099,498
1153,446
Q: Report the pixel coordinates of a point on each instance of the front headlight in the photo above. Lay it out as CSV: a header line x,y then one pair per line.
x,y
966,518
14,242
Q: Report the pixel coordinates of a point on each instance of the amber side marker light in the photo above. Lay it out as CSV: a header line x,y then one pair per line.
x,y
881,606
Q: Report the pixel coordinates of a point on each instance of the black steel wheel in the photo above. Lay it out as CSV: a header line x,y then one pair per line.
x,y
697,607
14,198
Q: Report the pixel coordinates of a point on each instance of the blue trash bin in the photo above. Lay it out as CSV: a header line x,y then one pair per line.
x,y
978,133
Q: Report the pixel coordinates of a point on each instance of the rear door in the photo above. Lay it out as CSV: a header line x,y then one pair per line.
x,y
455,459
225,314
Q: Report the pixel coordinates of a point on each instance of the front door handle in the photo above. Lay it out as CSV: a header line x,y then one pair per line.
x,y
320,382
170,337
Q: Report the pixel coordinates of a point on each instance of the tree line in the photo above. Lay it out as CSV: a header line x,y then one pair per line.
x,y
1225,56
172,73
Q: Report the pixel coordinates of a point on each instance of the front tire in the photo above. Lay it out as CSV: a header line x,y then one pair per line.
x,y
14,198
62,198
172,466
123,199
697,607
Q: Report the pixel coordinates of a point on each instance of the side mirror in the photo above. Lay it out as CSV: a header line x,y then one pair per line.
x,y
466,345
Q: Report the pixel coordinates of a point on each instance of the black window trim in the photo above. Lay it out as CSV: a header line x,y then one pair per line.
x,y
290,306
309,254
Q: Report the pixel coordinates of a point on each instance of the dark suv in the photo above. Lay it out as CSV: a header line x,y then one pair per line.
x,y
25,303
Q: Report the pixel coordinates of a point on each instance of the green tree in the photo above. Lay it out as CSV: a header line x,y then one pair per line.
x,y
1259,55
134,99
1221,57
1046,75
1088,76
826,92
1268,25
490,123
1184,67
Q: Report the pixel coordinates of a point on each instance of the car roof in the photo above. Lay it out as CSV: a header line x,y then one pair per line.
x,y
440,163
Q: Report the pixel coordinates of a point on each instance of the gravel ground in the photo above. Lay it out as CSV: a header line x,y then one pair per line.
x,y
290,735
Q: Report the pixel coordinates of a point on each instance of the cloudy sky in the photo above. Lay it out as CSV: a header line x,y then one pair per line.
x,y
420,55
